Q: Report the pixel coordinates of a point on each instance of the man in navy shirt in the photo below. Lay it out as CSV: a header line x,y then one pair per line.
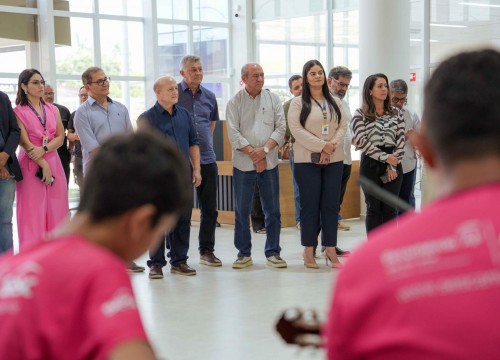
x,y
175,123
202,105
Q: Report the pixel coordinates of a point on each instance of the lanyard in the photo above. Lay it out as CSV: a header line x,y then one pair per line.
x,y
323,108
44,121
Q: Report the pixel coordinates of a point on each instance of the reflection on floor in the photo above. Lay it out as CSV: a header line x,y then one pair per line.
x,y
222,313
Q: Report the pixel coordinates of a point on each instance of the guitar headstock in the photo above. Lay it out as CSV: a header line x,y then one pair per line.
x,y
300,328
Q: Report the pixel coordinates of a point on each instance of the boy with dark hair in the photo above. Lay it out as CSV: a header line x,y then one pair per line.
x,y
71,297
433,284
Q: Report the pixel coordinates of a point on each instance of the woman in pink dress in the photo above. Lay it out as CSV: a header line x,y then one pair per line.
x,y
42,201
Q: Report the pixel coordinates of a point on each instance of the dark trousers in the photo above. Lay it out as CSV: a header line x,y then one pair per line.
x,y
378,212
65,157
207,196
176,241
407,189
346,174
257,214
319,188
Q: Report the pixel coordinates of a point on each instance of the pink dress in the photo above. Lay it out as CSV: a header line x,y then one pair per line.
x,y
40,208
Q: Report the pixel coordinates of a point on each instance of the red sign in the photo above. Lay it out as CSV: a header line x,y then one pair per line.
x,y
413,76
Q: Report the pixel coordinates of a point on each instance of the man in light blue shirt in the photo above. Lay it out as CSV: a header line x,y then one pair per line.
x,y
256,130
99,117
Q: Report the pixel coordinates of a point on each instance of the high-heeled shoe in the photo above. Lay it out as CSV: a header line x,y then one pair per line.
x,y
312,265
334,265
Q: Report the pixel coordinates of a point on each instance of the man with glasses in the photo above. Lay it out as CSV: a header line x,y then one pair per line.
x,y
399,93
98,118
62,151
74,141
339,80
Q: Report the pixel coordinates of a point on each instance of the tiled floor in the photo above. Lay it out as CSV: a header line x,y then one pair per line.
x,y
222,313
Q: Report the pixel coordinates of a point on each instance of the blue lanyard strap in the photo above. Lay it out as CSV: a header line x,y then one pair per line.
x,y
44,121
323,108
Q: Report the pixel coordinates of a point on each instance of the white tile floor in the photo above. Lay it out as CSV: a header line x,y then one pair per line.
x,y
222,313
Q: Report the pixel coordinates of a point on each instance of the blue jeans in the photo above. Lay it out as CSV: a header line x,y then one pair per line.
x,y
296,195
407,189
7,191
244,185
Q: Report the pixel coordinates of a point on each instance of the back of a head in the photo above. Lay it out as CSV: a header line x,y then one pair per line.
x,y
462,107
132,170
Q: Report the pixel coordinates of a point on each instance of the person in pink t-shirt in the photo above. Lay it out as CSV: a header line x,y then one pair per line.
x,y
430,287
71,298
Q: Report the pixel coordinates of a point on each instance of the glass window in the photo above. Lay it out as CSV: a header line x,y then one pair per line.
x,y
80,5
310,29
67,93
172,46
271,30
9,86
75,59
299,55
123,53
172,9
272,58
210,10
121,7
12,56
211,44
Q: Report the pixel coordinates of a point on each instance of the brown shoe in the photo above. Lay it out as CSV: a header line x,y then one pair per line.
x,y
133,267
210,259
182,269
155,272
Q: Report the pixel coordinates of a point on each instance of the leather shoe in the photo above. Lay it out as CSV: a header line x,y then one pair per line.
x,y
210,259
182,269
133,267
155,272
341,252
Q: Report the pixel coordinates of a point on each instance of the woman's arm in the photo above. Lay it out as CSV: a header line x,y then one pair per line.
x,y
301,135
361,139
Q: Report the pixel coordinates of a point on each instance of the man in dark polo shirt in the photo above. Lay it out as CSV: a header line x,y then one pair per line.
x,y
62,151
202,105
175,123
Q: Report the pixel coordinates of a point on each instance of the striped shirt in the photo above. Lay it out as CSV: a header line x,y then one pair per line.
x,y
385,131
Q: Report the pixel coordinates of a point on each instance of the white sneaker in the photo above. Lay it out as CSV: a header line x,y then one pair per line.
x,y
276,261
242,262
298,226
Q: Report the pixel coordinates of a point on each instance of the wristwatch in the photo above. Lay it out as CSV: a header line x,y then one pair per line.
x,y
45,148
266,149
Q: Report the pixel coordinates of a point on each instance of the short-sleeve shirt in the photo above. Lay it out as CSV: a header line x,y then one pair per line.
x,y
65,299
94,125
203,109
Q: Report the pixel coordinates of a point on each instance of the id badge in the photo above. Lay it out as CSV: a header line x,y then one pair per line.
x,y
45,140
324,129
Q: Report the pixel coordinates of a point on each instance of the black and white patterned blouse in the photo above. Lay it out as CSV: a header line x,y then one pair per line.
x,y
385,131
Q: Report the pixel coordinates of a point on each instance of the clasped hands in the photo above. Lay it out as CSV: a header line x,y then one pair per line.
x,y
258,156
328,150
36,153
392,174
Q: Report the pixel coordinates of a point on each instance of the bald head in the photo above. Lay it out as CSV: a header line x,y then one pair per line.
x,y
166,92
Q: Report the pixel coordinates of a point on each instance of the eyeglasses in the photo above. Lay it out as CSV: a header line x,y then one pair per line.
x,y
396,100
48,93
38,82
341,84
83,96
100,82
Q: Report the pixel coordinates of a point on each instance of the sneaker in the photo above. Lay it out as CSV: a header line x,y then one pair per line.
x,y
155,272
182,269
298,226
276,261
343,226
133,267
210,259
242,262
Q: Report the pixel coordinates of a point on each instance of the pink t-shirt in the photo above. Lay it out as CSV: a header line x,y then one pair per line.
x,y
429,289
65,299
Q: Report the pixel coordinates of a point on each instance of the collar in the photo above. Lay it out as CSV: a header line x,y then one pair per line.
x,y
91,100
184,86
161,110
250,96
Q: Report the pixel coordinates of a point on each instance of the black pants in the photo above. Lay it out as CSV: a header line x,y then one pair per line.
x,y
207,196
378,212
65,157
407,189
346,174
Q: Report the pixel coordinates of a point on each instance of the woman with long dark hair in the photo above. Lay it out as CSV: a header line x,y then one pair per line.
x,y
318,123
42,196
379,132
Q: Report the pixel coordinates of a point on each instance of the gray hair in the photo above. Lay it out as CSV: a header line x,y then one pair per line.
x,y
339,71
189,58
244,69
399,86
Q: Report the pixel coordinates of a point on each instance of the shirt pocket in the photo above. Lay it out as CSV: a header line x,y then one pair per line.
x,y
268,118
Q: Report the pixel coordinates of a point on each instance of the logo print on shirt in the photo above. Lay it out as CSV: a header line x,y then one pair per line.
x,y
122,300
20,283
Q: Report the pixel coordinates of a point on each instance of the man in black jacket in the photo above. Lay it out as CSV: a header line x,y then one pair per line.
x,y
10,172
